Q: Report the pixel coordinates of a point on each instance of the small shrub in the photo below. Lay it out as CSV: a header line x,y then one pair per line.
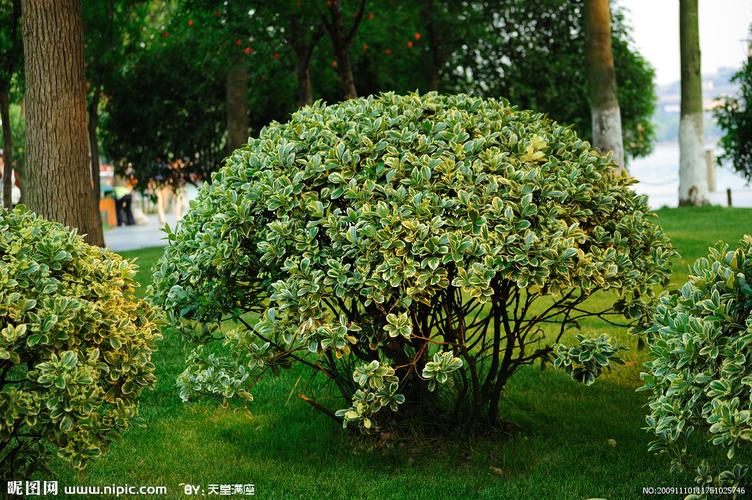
x,y
410,249
75,345
700,375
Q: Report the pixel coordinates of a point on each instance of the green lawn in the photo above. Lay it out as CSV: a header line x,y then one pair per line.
x,y
562,450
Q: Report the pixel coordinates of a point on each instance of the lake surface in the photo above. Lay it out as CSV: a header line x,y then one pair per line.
x,y
659,179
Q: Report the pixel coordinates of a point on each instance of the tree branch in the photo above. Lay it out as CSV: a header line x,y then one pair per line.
x,y
356,22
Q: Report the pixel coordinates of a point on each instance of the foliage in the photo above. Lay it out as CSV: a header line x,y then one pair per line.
x,y
112,31
395,228
585,362
735,120
400,44
162,108
533,52
11,49
699,375
167,101
75,346
185,49
18,130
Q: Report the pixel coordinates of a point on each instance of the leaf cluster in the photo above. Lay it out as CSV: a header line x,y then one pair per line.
x,y
735,120
75,345
699,376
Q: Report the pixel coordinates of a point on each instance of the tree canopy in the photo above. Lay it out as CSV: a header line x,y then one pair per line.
x,y
157,70
532,53
735,119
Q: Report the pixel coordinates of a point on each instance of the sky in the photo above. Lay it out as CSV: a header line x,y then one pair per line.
x,y
724,28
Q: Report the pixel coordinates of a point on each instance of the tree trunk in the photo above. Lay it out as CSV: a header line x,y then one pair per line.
x,y
346,79
434,44
693,181
303,75
59,176
604,103
94,145
9,68
341,43
237,106
7,151
21,172
304,48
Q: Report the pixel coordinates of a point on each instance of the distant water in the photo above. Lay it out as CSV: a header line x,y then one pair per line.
x,y
659,179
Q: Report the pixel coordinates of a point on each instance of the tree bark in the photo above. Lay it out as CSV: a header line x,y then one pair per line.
x,y
303,53
7,151
94,144
303,75
236,86
341,43
693,181
344,68
604,103
59,176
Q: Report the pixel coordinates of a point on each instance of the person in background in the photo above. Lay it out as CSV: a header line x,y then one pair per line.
x,y
123,200
15,184
169,186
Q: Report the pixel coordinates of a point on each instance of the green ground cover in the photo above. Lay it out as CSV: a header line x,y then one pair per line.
x,y
571,442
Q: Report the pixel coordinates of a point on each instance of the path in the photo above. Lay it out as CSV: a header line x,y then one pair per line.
x,y
149,235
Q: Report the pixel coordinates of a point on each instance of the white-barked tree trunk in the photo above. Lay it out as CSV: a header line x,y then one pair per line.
x,y
693,172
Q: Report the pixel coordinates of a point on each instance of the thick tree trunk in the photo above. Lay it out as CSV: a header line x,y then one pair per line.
x,y
693,181
303,75
236,86
7,151
604,103
94,145
59,175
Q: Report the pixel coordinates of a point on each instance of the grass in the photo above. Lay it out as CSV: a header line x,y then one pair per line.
x,y
573,442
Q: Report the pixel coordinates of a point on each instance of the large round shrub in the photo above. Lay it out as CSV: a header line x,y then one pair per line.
x,y
75,345
700,372
411,250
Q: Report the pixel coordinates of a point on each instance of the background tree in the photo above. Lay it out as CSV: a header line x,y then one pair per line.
x,y
436,14
59,177
111,28
523,51
170,100
11,52
412,45
531,52
341,35
604,103
164,107
693,180
300,25
236,78
735,119
250,42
